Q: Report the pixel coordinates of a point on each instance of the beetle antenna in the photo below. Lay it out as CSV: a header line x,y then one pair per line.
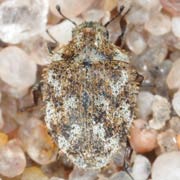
x,y
117,15
49,34
51,45
60,12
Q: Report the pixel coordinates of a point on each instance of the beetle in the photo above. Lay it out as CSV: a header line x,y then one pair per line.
x,y
89,93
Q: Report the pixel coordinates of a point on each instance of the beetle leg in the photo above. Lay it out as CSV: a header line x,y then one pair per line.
x,y
36,92
58,155
123,25
51,45
127,157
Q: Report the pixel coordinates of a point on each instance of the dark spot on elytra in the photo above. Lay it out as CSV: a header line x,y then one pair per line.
x,y
99,117
65,130
85,100
58,103
87,64
109,130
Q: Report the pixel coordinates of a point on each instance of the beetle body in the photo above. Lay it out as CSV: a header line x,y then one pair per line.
x,y
89,94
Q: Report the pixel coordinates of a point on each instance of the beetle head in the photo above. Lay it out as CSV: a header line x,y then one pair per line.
x,y
90,28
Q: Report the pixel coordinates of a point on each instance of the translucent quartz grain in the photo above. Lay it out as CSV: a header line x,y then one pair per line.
x,y
165,67
172,41
137,16
161,112
33,173
141,168
12,159
82,174
102,177
37,49
160,73
176,26
153,5
150,58
10,126
158,24
173,80
176,102
109,5
136,42
167,166
21,20
17,92
37,142
16,68
174,123
12,91
9,110
154,40
175,55
171,6
177,44
120,175
55,178
143,139
167,141
96,15
144,102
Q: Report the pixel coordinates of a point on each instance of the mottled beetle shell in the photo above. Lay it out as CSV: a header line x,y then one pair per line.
x,y
89,91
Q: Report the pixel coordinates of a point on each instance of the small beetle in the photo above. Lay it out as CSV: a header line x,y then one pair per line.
x,y
89,93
